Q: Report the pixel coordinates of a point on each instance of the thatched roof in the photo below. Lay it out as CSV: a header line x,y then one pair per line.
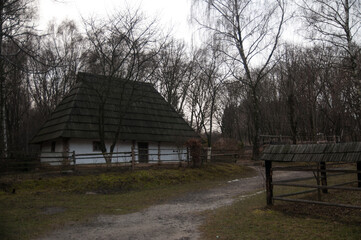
x,y
336,152
142,112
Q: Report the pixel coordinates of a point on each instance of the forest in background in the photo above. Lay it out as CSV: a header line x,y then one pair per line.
x,y
243,81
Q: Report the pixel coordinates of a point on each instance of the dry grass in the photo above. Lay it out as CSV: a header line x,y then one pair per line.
x,y
329,213
251,219
45,204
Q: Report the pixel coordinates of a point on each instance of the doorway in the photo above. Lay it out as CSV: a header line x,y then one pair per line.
x,y
143,152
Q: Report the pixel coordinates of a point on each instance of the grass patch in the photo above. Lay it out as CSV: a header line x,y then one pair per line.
x,y
49,203
250,219
126,181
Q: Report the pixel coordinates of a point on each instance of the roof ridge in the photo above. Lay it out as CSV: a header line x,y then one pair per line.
x,y
81,76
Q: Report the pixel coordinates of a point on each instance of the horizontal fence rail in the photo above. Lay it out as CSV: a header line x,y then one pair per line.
x,y
322,173
317,202
73,161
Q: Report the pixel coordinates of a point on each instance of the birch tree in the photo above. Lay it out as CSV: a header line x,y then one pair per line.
x,y
212,75
251,30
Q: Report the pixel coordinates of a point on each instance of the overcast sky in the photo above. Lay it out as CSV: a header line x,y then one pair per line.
x,y
171,13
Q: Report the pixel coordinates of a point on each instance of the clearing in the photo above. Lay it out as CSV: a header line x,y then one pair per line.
x,y
179,218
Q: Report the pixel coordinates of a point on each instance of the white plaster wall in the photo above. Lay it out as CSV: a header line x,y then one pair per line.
x,y
172,152
153,152
168,152
85,146
53,158
84,153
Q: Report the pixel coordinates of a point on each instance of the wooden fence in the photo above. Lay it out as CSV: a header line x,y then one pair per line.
x,y
72,161
323,160
321,175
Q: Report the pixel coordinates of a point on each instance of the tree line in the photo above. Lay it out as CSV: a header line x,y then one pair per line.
x,y
244,80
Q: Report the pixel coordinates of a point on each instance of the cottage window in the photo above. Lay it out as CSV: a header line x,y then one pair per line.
x,y
96,146
53,145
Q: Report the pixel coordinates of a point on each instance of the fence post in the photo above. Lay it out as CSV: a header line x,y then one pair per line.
x,y
209,154
318,181
269,186
159,162
188,156
359,174
74,160
323,176
133,155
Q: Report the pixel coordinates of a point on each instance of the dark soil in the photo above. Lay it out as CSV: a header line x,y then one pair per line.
x,y
338,214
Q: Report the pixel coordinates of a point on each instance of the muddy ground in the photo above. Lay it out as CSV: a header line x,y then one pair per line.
x,y
177,219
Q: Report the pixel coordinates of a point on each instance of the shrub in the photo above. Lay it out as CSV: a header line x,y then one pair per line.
x,y
195,147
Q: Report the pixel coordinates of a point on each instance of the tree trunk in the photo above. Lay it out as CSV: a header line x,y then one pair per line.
x,y
292,117
108,159
3,136
256,124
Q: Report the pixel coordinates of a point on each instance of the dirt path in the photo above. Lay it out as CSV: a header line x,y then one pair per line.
x,y
177,219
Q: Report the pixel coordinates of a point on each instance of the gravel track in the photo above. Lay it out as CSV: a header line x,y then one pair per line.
x,y
177,219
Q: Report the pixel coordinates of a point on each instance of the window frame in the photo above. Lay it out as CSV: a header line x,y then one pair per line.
x,y
96,146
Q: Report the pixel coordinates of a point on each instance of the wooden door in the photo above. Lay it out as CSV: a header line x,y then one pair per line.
x,y
143,152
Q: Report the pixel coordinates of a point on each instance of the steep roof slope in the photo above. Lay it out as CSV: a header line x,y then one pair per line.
x,y
136,108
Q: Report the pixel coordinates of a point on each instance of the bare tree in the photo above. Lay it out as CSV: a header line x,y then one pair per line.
x,y
15,30
252,33
212,75
234,122
289,73
337,23
17,100
300,75
173,74
123,46
61,53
